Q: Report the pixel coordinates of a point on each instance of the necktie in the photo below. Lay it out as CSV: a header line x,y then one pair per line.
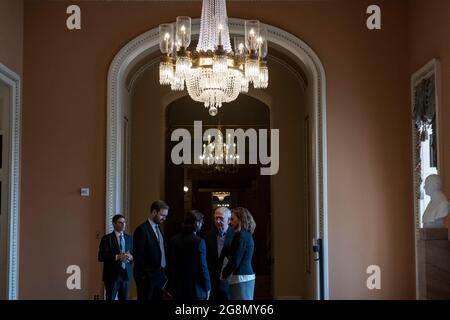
x,y
220,243
122,248
161,246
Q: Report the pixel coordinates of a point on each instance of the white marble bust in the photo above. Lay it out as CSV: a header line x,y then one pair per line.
x,y
438,208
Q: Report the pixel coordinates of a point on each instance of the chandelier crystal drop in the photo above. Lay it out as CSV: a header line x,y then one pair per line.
x,y
213,74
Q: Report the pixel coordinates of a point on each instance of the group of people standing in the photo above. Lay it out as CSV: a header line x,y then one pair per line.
x,y
217,268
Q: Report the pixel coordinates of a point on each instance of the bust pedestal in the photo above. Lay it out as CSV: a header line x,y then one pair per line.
x,y
433,249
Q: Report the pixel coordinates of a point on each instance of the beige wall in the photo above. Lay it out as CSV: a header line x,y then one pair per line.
x,y
369,154
11,34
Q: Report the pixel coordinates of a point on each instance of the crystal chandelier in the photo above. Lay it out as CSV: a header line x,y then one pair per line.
x,y
219,152
221,195
213,73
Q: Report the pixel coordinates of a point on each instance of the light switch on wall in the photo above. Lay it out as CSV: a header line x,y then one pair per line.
x,y
85,192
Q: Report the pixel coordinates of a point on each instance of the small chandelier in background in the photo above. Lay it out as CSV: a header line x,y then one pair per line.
x,y
213,73
218,152
221,195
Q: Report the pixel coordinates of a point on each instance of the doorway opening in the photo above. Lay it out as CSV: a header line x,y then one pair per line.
x,y
131,63
426,142
205,187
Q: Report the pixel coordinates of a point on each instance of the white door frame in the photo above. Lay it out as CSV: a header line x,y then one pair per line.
x,y
12,80
118,99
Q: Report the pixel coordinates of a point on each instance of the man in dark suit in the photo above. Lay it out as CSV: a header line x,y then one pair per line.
x,y
190,277
218,242
115,253
150,254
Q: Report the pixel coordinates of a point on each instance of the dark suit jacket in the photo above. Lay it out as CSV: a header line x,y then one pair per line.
x,y
190,277
109,247
147,254
214,261
240,255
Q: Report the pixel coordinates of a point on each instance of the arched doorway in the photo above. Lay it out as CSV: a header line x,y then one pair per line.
x,y
147,45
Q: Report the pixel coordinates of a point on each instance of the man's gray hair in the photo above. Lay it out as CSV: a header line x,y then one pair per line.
x,y
225,211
